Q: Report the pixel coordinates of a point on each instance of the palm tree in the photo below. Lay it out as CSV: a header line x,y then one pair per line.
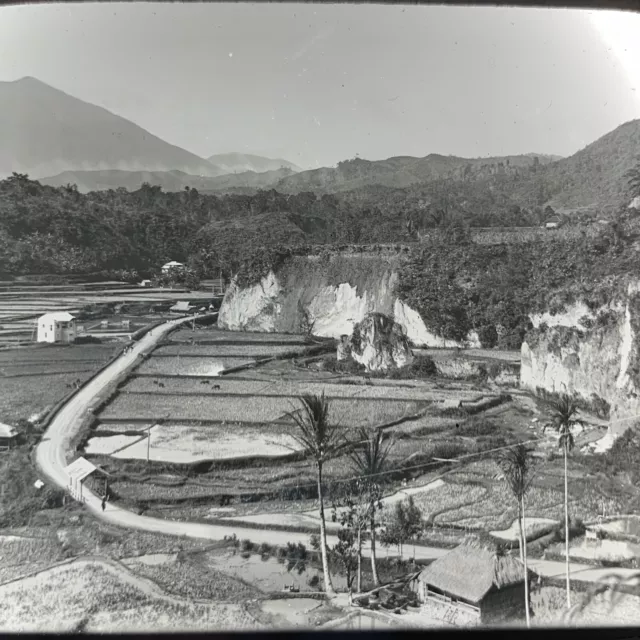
x,y
516,464
322,440
369,458
563,419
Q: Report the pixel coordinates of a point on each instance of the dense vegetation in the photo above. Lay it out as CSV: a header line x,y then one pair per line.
x,y
458,288
59,230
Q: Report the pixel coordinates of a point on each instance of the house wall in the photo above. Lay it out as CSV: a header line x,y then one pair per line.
x,y
503,605
50,330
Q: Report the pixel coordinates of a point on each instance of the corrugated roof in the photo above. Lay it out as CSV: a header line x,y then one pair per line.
x,y
63,316
80,469
7,431
181,306
173,263
471,570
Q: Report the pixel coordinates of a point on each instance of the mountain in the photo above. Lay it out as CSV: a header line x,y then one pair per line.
x,y
400,171
45,131
169,181
595,175
242,162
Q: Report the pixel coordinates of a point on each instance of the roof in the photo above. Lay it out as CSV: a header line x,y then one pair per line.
x,y
7,431
181,306
173,263
472,569
63,316
81,468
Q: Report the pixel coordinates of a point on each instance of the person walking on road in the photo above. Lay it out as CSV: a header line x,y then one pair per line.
x,y
104,503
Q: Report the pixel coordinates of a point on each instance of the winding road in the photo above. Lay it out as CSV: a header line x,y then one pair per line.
x,y
50,458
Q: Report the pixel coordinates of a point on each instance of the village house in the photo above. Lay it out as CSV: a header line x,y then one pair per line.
x,y
8,437
171,265
553,222
58,326
476,583
82,473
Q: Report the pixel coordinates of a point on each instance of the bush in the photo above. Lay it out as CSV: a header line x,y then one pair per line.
x,y
421,367
246,545
314,581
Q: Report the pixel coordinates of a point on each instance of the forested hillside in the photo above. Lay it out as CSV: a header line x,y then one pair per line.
x,y
44,229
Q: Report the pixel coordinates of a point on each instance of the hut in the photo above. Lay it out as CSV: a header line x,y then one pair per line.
x,y
83,473
8,437
476,583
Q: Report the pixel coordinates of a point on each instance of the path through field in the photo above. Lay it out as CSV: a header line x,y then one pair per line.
x,y
50,458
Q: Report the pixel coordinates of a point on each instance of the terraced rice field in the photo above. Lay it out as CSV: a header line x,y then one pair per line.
x,y
258,409
191,366
33,379
184,444
238,350
214,334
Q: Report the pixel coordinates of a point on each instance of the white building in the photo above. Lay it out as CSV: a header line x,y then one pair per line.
x,y
172,265
59,326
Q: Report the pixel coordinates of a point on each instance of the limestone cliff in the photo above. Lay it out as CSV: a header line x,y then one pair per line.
x,y
594,355
330,294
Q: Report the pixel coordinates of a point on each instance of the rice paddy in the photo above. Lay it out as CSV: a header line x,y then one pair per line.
x,y
191,366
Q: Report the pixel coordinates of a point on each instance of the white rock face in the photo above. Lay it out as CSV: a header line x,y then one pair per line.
x,y
635,203
596,362
381,344
420,336
336,310
252,309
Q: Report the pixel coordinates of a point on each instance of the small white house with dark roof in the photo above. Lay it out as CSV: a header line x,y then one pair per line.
x,y
58,326
171,265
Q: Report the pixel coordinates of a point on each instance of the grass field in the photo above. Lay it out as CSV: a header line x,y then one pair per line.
x,y
106,599
257,409
214,334
235,350
35,378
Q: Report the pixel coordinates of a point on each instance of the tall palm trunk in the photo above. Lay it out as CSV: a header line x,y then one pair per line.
x,y
359,578
566,526
328,586
523,528
521,531
374,568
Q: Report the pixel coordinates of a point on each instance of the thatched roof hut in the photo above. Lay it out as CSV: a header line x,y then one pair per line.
x,y
477,576
473,569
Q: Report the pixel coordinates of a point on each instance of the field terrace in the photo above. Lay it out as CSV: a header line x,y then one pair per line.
x,y
34,378
21,304
225,445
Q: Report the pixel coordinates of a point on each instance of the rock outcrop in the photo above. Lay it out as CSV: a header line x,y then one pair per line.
x,y
595,356
331,295
379,343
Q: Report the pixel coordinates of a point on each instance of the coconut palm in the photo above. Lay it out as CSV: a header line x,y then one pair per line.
x,y
516,464
369,458
563,420
321,439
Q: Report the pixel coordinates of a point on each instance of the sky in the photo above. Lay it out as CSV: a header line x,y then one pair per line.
x,y
316,84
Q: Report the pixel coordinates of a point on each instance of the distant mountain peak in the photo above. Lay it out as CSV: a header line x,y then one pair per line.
x,y
236,162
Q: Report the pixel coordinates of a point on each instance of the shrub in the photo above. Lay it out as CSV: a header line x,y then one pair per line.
x,y
266,549
246,545
421,367
314,581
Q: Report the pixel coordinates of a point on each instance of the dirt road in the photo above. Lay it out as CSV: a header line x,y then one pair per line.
x,y
50,458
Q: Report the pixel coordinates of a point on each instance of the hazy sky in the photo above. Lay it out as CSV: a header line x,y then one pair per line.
x,y
319,83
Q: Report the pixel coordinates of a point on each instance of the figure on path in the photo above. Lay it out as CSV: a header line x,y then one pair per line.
x,y
104,503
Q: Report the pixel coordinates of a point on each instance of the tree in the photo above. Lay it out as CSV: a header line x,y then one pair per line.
x,y
352,509
516,464
633,180
347,552
368,458
320,439
404,525
563,419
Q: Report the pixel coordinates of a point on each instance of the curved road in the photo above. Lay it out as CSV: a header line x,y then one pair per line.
x,y
51,460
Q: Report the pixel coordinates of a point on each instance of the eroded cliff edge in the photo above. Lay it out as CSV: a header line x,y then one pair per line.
x,y
330,293
593,354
